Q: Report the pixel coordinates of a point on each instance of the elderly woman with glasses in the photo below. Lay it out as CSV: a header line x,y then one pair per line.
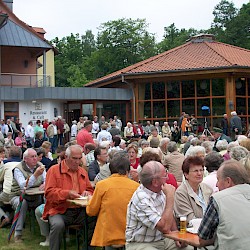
x,y
192,196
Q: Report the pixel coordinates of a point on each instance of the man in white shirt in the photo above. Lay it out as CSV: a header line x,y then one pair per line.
x,y
29,134
104,135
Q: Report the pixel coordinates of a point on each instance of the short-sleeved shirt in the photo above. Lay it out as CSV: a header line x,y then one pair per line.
x,y
144,212
210,221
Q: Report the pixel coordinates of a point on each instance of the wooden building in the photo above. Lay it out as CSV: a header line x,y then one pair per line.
x,y
201,72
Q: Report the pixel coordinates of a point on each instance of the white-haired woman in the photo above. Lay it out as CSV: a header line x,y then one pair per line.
x,y
128,131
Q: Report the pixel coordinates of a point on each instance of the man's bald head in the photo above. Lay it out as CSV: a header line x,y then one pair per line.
x,y
151,170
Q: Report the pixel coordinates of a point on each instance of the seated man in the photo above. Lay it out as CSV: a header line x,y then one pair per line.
x,y
110,201
28,173
99,168
226,221
66,180
150,211
6,176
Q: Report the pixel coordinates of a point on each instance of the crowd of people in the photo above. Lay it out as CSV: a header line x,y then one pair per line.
x,y
139,181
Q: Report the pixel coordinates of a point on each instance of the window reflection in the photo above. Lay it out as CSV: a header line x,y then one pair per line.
x,y
188,89
159,110
219,106
241,106
240,86
218,87
173,108
188,106
203,87
158,90
173,89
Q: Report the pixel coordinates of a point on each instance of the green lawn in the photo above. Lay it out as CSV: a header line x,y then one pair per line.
x,y
30,241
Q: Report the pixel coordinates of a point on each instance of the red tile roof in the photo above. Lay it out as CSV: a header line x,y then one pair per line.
x,y
189,56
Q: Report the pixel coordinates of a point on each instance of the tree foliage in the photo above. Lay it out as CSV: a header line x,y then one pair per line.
x,y
174,37
73,51
123,42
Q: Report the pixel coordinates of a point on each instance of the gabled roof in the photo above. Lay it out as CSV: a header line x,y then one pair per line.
x,y
197,54
18,33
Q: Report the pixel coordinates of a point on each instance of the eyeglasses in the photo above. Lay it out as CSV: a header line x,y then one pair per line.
x,y
196,171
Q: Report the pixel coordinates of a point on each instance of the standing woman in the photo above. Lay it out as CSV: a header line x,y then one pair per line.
x,y
192,196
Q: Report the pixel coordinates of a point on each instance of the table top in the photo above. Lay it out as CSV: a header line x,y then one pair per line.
x,y
190,239
34,191
81,203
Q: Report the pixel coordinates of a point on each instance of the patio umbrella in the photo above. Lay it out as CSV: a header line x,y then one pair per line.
x,y
17,212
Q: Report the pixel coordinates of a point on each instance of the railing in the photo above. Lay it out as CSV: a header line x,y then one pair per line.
x,y
25,80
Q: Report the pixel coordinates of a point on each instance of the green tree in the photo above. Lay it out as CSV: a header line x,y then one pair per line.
x,y
174,37
120,43
238,29
73,51
223,13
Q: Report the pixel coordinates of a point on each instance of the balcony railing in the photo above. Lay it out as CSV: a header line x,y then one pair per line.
x,y
25,80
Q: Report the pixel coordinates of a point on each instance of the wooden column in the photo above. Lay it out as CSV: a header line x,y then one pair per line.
x,y
230,94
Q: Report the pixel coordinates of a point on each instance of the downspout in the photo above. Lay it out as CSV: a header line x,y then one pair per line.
x,y
133,92
44,69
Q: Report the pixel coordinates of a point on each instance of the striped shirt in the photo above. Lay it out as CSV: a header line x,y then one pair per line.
x,y
144,212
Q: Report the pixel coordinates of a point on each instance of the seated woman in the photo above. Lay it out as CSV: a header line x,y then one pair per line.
x,y
41,156
153,154
47,147
132,150
39,139
192,196
19,139
109,203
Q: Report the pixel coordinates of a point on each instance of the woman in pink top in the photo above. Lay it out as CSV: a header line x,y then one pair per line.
x,y
19,139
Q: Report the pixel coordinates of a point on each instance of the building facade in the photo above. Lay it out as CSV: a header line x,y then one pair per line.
x,y
201,72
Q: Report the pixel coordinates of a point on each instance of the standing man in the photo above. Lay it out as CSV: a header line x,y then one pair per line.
x,y
226,221
30,168
13,124
235,125
84,135
60,130
29,134
4,128
118,122
66,180
150,211
52,135
73,131
10,128
224,124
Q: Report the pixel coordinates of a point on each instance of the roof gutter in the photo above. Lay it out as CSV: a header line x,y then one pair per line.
x,y
3,19
133,92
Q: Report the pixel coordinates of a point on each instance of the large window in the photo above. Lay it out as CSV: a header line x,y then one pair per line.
x,y
159,101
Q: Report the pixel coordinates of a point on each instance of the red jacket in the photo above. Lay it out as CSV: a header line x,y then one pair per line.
x,y
57,187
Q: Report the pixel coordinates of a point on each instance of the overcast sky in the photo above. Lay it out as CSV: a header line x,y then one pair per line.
x,y
60,18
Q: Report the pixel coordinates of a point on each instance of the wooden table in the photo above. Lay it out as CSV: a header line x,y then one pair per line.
x,y
78,202
34,191
190,239
83,204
